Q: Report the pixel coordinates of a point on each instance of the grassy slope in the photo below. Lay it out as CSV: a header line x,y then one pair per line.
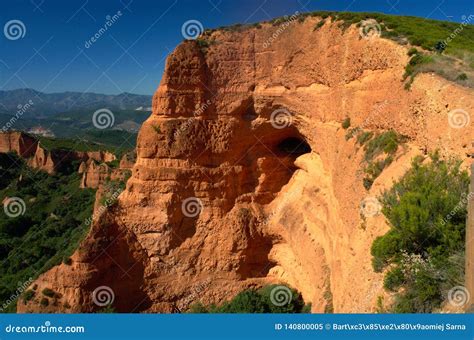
x,y
456,63
418,31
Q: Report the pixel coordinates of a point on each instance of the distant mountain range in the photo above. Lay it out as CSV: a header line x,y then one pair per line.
x,y
70,114
45,104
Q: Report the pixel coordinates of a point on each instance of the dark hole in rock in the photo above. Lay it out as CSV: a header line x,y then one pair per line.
x,y
250,114
293,146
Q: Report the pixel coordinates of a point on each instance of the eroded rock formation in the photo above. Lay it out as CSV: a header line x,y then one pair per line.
x,y
51,160
276,197
95,173
18,142
38,157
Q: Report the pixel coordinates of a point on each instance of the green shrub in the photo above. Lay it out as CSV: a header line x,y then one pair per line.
x,y
364,137
412,51
384,250
367,182
374,169
346,123
352,132
386,142
48,292
413,67
157,128
109,309
462,77
380,309
202,43
319,24
28,295
198,307
393,279
114,164
424,248
440,47
259,301
44,302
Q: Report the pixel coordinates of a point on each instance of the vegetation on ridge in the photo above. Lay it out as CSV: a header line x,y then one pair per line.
x,y
108,143
450,47
426,33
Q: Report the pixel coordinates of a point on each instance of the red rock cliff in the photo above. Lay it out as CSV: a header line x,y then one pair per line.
x,y
15,141
261,214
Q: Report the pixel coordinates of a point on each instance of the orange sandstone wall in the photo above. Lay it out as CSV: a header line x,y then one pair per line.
x,y
214,202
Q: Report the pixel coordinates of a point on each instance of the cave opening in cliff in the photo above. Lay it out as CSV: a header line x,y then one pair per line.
x,y
294,146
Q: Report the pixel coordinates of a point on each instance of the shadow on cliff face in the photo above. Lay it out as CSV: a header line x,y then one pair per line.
x,y
255,247
266,143
118,263
272,165
183,230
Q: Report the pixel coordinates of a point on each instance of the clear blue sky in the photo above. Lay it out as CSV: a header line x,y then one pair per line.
x,y
130,55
